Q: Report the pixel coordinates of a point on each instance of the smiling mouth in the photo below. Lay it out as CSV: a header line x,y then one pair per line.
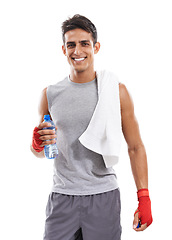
x,y
79,59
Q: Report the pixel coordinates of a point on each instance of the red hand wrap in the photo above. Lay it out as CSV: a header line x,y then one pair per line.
x,y
36,142
144,208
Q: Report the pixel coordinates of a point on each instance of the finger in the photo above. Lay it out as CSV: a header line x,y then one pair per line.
x,y
47,137
136,221
44,124
142,228
46,132
48,142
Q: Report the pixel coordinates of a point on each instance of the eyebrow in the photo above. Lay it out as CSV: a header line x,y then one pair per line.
x,y
83,41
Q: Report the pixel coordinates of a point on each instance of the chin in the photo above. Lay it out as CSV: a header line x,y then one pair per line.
x,y
80,70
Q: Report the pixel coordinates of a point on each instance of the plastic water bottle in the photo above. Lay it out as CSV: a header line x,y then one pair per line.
x,y
50,150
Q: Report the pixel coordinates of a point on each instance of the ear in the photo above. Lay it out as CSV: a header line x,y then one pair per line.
x,y
96,47
64,50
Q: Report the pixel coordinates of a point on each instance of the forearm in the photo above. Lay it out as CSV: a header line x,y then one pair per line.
x,y
139,167
37,154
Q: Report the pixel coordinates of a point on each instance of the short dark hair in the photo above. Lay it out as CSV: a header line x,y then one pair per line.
x,y
79,21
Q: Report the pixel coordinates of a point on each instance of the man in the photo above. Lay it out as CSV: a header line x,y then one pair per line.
x,y
85,199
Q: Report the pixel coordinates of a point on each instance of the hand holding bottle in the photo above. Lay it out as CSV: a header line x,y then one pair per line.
x,y
43,135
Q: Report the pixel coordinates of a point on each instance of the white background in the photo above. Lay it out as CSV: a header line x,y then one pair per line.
x,y
135,39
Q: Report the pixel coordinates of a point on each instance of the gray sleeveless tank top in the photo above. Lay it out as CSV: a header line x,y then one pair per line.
x,y
77,170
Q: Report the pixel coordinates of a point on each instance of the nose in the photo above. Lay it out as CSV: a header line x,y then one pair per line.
x,y
78,49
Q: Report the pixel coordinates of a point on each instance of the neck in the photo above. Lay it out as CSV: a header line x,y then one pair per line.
x,y
82,77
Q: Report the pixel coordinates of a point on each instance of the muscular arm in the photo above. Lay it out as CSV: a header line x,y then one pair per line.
x,y
132,136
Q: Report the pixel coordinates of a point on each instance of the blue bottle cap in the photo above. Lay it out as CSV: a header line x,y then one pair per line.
x,y
46,117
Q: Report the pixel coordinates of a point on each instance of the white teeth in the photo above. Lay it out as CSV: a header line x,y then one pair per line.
x,y
79,59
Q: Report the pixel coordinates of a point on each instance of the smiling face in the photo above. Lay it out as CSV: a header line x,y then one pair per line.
x,y
79,50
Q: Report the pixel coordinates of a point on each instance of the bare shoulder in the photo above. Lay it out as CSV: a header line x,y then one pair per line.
x,y
125,98
43,104
43,98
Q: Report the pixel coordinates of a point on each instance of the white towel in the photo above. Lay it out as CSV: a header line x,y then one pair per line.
x,y
103,134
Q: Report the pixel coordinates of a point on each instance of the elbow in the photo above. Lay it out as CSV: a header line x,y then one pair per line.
x,y
134,149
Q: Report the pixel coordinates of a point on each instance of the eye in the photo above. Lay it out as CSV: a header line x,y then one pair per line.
x,y
85,44
71,45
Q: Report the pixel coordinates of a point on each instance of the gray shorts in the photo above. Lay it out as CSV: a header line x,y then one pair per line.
x,y
89,217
